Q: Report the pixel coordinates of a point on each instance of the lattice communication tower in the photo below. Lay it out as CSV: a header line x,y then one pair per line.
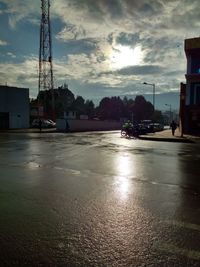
x,y
45,61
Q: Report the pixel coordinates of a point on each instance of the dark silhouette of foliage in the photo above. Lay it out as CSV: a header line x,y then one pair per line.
x,y
110,108
142,109
115,108
63,99
79,105
89,109
158,117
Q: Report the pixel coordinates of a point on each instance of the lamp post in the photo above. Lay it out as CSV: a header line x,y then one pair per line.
x,y
154,88
170,111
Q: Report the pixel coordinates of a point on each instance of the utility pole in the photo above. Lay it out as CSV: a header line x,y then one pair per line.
x,y
154,89
45,83
170,112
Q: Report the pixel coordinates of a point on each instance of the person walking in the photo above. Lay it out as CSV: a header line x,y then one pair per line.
x,y
173,126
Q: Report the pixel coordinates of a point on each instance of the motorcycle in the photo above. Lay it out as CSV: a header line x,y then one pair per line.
x,y
130,132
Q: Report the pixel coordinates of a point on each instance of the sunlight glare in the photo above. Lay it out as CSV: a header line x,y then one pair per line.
x,y
123,165
122,187
124,56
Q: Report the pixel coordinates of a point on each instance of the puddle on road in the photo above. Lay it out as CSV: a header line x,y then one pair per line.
x,y
33,165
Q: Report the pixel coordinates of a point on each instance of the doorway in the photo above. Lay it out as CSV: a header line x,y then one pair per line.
x,y
4,120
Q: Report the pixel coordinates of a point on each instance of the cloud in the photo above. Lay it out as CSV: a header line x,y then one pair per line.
x,y
89,31
22,74
174,73
131,39
132,27
3,42
18,10
70,32
10,54
142,70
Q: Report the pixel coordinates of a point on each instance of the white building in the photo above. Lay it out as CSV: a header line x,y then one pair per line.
x,y
14,107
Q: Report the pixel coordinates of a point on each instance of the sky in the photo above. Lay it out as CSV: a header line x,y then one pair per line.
x,y
100,47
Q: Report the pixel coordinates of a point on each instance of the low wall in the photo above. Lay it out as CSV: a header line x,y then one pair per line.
x,y
87,125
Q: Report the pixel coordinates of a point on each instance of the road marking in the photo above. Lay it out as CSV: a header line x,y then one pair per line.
x,y
190,226
170,248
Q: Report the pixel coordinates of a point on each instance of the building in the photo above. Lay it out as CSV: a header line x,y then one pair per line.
x,y
14,107
190,92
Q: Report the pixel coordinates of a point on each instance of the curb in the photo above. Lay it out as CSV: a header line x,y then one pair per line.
x,y
163,139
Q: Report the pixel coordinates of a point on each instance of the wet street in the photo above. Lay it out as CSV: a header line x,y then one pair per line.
x,y
96,199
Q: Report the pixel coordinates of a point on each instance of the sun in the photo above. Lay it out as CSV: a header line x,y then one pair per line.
x,y
124,56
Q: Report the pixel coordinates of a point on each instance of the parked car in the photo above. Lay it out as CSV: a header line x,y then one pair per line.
x,y
52,123
46,123
157,127
151,126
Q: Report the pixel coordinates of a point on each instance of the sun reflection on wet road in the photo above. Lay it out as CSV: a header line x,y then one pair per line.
x,y
95,199
125,167
122,187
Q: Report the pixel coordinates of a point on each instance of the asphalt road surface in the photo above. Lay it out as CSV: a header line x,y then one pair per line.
x,y
96,199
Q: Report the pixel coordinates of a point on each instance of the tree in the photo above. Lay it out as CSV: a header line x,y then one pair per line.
x,y
110,108
158,117
103,110
89,108
142,109
79,105
63,99
116,108
130,109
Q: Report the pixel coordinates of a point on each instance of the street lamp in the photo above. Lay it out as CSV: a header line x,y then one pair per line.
x,y
154,88
170,111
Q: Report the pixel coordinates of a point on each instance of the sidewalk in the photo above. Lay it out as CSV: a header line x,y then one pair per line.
x,y
166,136
30,130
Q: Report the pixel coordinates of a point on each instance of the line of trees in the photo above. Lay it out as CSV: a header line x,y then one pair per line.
x,y
115,108
109,108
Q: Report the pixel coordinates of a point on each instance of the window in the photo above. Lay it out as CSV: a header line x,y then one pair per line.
x,y
195,67
197,94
